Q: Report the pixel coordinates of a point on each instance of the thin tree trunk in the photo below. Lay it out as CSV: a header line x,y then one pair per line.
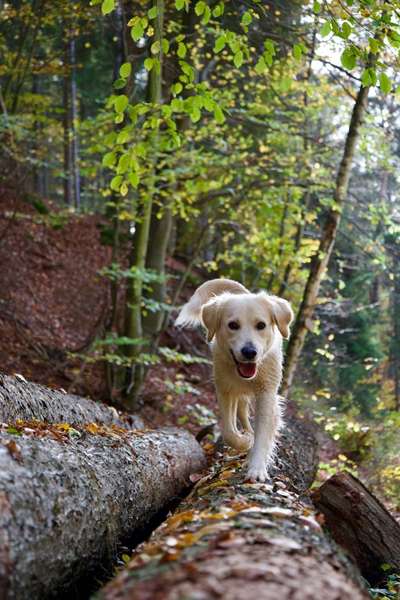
x,y
160,235
134,324
281,234
161,228
321,258
37,128
74,126
68,195
395,358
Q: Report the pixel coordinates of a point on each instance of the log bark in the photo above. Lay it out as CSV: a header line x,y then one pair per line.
x,y
20,399
361,524
237,540
69,498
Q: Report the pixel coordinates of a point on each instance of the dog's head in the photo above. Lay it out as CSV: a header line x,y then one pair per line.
x,y
245,326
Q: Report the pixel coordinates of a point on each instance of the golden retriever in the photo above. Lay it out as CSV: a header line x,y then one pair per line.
x,y
245,331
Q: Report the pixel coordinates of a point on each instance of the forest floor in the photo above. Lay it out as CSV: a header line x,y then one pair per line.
x,y
52,304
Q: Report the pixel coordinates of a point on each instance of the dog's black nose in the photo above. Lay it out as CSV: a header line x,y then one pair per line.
x,y
249,351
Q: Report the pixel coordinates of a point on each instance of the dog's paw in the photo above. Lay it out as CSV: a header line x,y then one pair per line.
x,y
242,442
246,441
257,472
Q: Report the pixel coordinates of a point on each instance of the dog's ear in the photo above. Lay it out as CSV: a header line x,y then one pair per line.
x,y
210,315
281,313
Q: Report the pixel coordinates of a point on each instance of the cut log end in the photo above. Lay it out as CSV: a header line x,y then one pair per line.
x,y
360,523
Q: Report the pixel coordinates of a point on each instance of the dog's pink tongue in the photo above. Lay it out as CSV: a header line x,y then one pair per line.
x,y
247,369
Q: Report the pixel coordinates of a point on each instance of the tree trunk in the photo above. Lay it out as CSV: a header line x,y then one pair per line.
x,y
68,188
74,126
321,258
70,497
236,540
361,524
161,228
160,234
134,321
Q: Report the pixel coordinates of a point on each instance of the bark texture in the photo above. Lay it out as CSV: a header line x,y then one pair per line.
x,y
361,524
232,539
20,399
66,503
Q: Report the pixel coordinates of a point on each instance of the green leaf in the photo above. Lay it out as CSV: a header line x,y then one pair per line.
x,y
348,59
195,115
123,136
125,70
260,66
200,8
206,16
165,46
148,64
220,43
218,11
152,13
385,83
177,88
116,183
107,6
155,47
179,4
374,45
238,59
219,115
246,19
316,7
109,159
181,52
121,103
325,29
119,84
346,30
368,77
137,31
297,51
133,179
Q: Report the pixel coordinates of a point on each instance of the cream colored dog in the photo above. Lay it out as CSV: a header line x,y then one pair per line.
x,y
246,332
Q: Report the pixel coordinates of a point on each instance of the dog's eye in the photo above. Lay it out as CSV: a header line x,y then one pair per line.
x,y
261,325
233,325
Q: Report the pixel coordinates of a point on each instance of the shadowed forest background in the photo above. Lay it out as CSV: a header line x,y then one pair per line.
x,y
147,147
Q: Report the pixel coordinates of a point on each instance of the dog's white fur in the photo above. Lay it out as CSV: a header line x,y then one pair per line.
x,y
216,304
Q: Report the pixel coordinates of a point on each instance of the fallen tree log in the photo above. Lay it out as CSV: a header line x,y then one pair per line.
x,y
239,540
361,524
70,496
20,399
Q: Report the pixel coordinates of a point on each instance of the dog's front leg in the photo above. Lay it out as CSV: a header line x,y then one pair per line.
x,y
267,424
228,408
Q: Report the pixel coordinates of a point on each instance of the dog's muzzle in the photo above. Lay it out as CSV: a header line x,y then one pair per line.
x,y
246,370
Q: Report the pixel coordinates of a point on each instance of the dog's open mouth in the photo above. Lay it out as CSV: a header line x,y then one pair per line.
x,y
247,370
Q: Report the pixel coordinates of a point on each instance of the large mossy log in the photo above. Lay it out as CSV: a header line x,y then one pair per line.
x,y
360,523
20,399
238,540
71,495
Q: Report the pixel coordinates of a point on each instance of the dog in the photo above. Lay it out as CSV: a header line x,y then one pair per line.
x,y
245,331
